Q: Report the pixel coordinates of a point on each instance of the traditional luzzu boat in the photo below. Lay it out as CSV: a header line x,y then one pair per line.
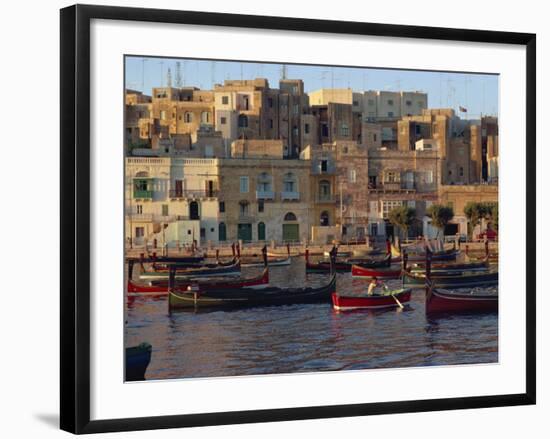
x,y
271,261
392,272
343,266
137,359
194,297
443,255
165,266
389,299
187,272
444,301
451,276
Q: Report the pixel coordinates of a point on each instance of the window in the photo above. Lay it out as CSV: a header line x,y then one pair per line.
x,y
139,209
324,190
162,115
417,129
371,102
223,120
225,100
289,182
295,131
325,219
203,232
429,177
390,101
165,210
205,117
243,185
387,206
243,208
390,113
408,103
140,232
461,171
324,130
374,137
188,117
270,102
290,217
355,103
324,165
344,130
271,123
352,176
392,177
260,206
222,234
221,206
264,182
306,128
243,121
194,210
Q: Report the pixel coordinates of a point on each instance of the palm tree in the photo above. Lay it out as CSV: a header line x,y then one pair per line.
x,y
402,217
441,215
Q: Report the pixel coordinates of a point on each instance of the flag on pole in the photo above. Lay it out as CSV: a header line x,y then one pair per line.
x,y
464,110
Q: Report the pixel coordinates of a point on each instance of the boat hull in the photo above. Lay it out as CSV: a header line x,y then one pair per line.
x,y
345,303
234,270
247,297
137,359
438,301
451,279
383,273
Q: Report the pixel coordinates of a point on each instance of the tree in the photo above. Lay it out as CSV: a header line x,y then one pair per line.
x,y
494,216
402,217
441,215
474,213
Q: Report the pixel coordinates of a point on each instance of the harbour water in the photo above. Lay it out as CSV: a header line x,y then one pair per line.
x,y
305,338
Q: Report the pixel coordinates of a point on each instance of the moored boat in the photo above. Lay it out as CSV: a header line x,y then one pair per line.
x,y
137,358
344,266
392,272
231,270
443,301
452,279
391,299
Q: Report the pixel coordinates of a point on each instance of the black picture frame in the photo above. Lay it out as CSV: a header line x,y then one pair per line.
x,y
75,217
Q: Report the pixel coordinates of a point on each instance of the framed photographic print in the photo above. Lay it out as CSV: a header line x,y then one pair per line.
x,y
268,218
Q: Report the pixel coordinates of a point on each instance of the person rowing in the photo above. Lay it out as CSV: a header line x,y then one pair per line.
x,y
374,283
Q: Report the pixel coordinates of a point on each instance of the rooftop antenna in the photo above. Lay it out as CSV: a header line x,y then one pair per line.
x,y
178,75
213,73
283,72
143,61
169,77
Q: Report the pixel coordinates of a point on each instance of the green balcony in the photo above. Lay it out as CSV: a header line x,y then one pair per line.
x,y
143,194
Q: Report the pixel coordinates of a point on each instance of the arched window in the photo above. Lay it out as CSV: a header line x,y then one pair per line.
x,y
243,121
324,190
188,118
261,231
222,232
205,117
290,217
264,182
325,219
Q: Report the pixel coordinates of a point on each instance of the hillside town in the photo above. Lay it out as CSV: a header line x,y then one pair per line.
x,y
252,162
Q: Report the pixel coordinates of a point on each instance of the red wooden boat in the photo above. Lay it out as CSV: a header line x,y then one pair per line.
x,y
442,301
384,273
392,299
343,266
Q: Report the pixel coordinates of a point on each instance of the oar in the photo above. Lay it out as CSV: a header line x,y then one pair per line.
x,y
397,301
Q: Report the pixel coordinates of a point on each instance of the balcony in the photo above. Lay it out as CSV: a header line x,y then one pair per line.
x,y
265,195
325,199
143,194
155,218
290,196
192,194
319,169
388,187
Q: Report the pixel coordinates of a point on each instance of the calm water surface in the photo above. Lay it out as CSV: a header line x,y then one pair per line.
x,y
305,338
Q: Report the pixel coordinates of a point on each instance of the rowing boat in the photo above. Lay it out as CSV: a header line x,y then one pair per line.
x,y
231,270
392,272
375,301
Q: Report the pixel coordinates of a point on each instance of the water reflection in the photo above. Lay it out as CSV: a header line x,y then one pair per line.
x,y
300,338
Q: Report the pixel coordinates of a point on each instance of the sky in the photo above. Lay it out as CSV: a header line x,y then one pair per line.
x,y
478,93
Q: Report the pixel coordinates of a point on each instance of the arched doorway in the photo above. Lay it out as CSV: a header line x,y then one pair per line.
x,y
291,229
261,231
194,213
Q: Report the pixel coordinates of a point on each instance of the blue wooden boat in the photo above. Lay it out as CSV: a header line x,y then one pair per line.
x,y
137,360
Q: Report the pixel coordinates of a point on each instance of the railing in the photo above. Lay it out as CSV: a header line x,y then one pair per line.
x,y
392,187
290,195
317,169
325,199
143,194
156,218
265,195
199,193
